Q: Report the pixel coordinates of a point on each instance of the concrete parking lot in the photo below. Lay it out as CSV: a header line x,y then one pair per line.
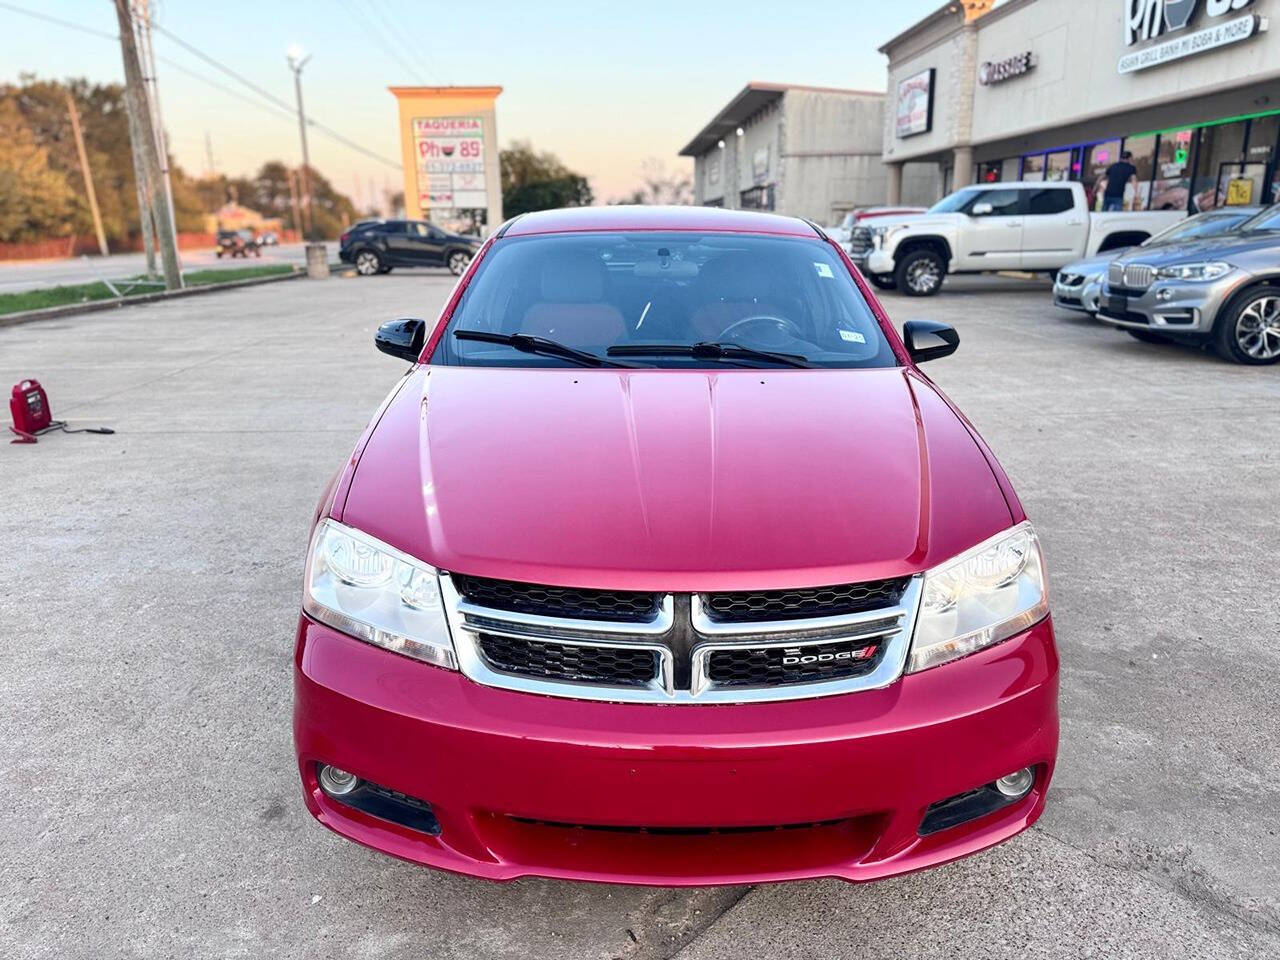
x,y
149,585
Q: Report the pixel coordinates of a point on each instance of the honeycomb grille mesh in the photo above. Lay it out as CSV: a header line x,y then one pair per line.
x,y
761,605
542,659
615,605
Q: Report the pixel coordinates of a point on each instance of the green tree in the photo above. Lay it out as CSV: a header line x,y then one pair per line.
x,y
538,181
35,201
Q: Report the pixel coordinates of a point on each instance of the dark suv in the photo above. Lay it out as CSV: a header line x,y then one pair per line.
x,y
375,246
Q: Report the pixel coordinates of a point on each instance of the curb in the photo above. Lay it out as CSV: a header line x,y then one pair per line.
x,y
95,306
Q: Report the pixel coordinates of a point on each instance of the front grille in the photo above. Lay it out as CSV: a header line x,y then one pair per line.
x,y
1139,276
675,831
758,605
776,666
1128,316
620,606
730,647
580,663
860,241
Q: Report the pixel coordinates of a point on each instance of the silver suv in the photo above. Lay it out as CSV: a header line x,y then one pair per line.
x,y
1226,290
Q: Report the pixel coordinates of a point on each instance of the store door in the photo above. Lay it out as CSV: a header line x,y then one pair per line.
x,y
1241,184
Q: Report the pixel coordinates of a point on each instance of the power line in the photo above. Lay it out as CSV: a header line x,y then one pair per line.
x,y
368,26
287,110
415,56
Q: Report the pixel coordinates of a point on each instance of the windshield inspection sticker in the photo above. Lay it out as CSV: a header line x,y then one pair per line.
x,y
852,336
823,269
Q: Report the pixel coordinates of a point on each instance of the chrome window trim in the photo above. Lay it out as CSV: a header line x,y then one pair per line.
x,y
897,623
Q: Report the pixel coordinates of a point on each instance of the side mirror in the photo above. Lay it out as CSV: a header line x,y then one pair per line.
x,y
401,338
981,210
929,340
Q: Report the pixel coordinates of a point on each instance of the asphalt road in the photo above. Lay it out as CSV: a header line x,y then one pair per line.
x,y
19,275
149,585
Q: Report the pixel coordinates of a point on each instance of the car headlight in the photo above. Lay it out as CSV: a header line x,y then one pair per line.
x,y
985,595
1194,271
880,234
373,592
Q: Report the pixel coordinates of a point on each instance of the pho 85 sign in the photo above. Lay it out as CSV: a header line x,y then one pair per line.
x,y
449,152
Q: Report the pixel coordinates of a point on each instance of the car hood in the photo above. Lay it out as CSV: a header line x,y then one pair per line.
x,y
1091,266
1222,247
679,480
915,220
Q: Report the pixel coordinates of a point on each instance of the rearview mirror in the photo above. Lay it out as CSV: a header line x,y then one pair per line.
x,y
401,338
929,340
981,210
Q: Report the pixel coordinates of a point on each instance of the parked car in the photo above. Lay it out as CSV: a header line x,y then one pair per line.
x,y
270,239
1221,290
665,563
1031,225
237,243
377,246
1078,285
841,232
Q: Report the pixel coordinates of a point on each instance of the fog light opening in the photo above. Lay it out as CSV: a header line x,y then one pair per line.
x,y
337,782
1016,784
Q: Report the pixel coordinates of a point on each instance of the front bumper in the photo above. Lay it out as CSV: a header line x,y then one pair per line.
x,y
1169,306
1082,297
523,784
873,261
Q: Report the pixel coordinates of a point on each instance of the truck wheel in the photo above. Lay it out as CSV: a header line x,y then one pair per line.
x,y
368,263
1146,336
882,281
920,273
1248,330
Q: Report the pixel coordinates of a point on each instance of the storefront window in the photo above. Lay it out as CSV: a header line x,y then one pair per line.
x,y
1033,167
1058,166
1172,186
1221,153
1260,158
1143,150
1010,169
757,198
989,172
1096,160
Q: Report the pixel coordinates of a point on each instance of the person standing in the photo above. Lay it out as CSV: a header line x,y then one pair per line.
x,y
1118,176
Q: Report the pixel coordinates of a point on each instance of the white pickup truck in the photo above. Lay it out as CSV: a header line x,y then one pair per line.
x,y
1023,225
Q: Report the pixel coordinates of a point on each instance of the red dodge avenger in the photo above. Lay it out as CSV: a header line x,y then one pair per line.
x,y
664,563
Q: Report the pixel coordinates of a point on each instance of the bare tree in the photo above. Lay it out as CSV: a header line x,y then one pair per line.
x,y
658,186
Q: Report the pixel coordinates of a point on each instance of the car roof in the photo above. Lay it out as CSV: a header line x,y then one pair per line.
x,y
624,217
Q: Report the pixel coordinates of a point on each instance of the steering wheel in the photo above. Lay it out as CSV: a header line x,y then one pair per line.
x,y
778,325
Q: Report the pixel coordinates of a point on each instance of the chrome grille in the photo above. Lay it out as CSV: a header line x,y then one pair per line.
x,y
699,648
1137,276
860,241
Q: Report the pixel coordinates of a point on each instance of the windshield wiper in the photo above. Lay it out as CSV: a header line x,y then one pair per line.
x,y
707,350
542,346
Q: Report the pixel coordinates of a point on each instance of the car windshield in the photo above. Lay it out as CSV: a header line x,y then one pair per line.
x,y
954,201
627,290
1267,220
1201,225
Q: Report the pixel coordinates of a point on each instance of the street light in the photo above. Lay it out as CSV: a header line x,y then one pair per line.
x,y
297,60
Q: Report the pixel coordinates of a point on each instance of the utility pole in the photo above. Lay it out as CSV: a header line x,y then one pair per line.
x,y
208,153
146,146
88,178
293,202
148,62
296,62
145,214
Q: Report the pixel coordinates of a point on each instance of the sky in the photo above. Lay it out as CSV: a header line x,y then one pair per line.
x,y
604,85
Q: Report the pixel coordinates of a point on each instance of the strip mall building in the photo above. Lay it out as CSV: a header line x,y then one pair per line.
x,y
1056,89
